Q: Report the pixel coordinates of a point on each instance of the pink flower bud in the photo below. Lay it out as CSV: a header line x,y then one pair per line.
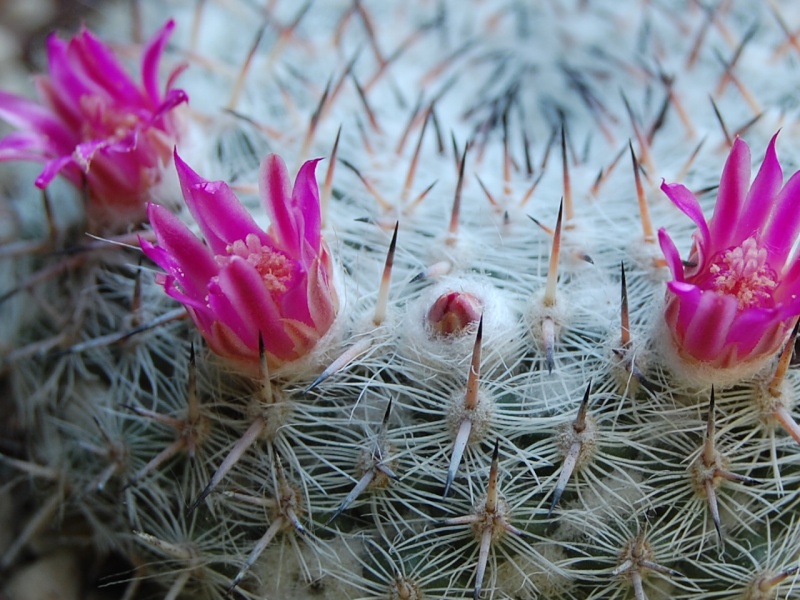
x,y
96,126
246,281
453,312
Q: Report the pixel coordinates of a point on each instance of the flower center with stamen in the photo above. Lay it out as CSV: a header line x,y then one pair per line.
x,y
742,271
275,268
102,120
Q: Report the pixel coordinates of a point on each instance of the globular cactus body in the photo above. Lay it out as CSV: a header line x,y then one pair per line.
x,y
499,408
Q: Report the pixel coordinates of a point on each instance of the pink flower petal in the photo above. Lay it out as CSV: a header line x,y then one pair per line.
x,y
782,230
96,60
275,188
173,76
294,301
173,99
24,146
171,283
731,196
190,260
749,327
84,153
253,306
224,341
207,201
760,199
707,329
790,290
303,336
26,115
688,204
305,202
53,168
70,83
322,300
58,103
759,331
151,60
671,254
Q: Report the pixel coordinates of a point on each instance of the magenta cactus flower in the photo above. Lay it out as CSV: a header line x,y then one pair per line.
x,y
96,126
732,305
246,281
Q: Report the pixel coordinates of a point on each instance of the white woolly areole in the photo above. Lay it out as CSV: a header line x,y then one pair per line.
x,y
501,327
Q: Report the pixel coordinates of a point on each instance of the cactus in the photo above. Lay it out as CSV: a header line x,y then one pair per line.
x,y
503,406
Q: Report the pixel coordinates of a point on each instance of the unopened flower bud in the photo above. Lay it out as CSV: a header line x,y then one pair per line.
x,y
454,312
